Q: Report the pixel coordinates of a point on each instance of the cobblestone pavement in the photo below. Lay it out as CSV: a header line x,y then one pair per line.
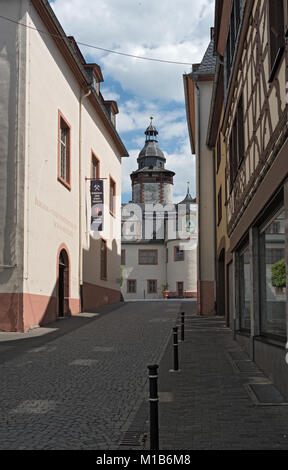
x,y
209,403
79,385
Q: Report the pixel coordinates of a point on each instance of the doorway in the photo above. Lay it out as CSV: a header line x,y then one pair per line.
x,y
180,289
63,284
221,296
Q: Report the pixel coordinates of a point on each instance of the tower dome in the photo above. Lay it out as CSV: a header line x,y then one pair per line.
x,y
151,155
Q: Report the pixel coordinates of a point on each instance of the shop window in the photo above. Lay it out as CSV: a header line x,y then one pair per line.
x,y
244,289
273,277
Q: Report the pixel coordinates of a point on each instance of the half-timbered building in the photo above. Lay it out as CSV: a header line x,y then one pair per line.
x,y
252,49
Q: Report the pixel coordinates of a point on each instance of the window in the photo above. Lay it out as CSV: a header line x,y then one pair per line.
x,y
103,259
244,289
131,286
112,196
220,205
148,257
95,167
64,152
277,36
123,257
237,143
273,255
152,287
218,152
273,228
178,254
235,22
273,277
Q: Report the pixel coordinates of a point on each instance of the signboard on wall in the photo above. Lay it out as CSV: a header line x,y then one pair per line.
x,y
97,205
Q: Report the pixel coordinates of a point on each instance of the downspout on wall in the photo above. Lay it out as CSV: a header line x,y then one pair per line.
x,y
81,201
199,194
215,229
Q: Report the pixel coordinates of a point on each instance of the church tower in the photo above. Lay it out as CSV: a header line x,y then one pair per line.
x,y
152,183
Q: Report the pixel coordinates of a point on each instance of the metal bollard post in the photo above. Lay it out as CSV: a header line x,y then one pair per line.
x,y
175,346
154,424
182,326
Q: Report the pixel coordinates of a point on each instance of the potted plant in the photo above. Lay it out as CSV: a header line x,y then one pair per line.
x,y
278,277
165,291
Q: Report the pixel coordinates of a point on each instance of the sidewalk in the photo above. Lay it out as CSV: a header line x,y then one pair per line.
x,y
219,399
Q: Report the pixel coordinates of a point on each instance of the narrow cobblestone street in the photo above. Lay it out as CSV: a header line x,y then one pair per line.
x,y
219,400
78,388
81,383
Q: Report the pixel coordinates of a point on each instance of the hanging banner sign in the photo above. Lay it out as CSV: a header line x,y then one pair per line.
x,y
97,205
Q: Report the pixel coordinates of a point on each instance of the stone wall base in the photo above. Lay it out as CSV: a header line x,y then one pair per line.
x,y
206,298
20,312
94,296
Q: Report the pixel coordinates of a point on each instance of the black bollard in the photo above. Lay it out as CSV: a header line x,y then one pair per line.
x,y
175,346
182,326
154,425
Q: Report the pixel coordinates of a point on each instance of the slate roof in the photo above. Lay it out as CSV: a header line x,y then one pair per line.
x,y
151,149
188,199
208,64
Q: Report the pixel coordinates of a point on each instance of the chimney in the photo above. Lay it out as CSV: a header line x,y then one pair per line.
x,y
212,33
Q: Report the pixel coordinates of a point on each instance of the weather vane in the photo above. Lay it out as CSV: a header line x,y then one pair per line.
x,y
151,117
188,186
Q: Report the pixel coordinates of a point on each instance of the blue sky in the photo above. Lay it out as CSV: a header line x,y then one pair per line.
x,y
169,30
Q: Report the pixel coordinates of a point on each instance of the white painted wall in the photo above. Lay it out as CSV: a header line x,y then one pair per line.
x,y
95,137
182,271
132,270
51,210
12,144
37,212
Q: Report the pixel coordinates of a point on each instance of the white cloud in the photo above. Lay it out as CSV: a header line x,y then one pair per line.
x,y
109,94
135,115
167,30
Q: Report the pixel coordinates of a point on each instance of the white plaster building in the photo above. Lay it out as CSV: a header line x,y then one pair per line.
x,y
56,131
159,238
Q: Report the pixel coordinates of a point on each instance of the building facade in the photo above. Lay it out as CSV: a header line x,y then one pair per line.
x,y
252,48
159,238
56,133
217,144
198,87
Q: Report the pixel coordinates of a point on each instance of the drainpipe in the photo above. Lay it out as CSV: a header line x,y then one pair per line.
x,y
199,189
215,231
81,201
